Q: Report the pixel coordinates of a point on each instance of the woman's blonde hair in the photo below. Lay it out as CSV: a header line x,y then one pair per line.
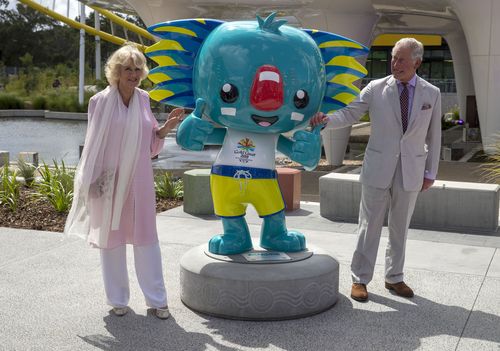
x,y
120,58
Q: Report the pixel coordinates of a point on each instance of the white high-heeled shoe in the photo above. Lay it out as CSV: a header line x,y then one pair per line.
x,y
162,313
120,311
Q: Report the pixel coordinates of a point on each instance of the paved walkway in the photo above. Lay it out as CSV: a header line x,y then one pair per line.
x,y
52,296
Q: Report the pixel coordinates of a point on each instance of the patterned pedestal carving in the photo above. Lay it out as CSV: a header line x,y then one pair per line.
x,y
233,287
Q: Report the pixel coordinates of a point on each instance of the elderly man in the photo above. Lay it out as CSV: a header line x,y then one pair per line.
x,y
401,159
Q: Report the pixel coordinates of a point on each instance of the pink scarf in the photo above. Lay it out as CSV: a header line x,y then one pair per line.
x,y
104,185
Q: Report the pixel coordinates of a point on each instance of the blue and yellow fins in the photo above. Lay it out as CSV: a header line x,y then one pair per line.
x,y
175,54
341,67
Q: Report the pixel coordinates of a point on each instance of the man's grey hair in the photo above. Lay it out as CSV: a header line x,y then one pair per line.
x,y
417,48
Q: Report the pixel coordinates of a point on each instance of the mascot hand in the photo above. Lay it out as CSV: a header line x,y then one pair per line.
x,y
307,148
193,132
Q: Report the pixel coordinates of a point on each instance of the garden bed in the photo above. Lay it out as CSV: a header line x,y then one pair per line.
x,y
41,215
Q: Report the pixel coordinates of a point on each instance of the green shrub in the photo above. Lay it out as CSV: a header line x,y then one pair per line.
x,y
56,193
40,103
66,101
27,171
451,118
365,118
34,82
9,189
56,186
166,187
8,101
491,171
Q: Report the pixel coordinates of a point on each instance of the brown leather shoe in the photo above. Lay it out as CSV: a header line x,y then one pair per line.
x,y
359,292
400,289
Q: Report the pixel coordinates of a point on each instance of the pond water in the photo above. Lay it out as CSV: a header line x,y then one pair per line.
x,y
60,139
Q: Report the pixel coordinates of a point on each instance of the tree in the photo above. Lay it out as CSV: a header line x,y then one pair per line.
x,y
28,31
48,41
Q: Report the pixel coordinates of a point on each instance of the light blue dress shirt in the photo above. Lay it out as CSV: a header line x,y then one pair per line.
x,y
411,92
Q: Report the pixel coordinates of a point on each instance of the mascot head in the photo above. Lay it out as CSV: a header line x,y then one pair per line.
x,y
261,76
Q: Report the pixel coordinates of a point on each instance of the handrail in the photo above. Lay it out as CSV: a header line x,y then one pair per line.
x,y
77,25
118,20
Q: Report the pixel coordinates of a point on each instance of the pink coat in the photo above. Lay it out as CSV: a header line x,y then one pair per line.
x,y
138,218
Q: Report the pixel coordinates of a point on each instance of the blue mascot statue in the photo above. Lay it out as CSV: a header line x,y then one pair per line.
x,y
249,82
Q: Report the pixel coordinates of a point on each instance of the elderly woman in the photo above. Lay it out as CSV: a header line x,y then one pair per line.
x,y
114,199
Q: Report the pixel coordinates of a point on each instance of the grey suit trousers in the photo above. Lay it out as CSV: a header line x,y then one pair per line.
x,y
374,204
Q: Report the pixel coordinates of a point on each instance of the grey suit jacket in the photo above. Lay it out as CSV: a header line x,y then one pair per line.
x,y
419,148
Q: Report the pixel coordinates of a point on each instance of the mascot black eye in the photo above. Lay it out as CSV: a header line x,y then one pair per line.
x,y
301,99
229,93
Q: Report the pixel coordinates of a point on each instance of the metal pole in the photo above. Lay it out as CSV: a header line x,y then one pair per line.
x,y
82,56
97,25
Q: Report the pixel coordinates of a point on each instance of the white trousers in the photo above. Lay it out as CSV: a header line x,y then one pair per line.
x,y
374,203
149,272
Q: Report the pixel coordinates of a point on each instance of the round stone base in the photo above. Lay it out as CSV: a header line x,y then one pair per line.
x,y
259,285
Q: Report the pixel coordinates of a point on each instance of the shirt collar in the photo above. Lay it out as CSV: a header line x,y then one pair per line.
x,y
412,82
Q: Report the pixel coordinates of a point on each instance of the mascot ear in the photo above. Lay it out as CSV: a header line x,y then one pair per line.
x,y
341,68
175,54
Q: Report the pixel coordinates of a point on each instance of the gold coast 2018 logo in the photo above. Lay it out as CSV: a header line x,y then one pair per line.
x,y
245,150
246,144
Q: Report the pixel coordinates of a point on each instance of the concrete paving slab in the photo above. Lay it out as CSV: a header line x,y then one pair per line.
x,y
446,257
52,297
482,331
17,244
494,270
436,256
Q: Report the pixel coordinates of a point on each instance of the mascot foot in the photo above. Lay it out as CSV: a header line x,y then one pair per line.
x,y
236,238
274,235
291,241
228,244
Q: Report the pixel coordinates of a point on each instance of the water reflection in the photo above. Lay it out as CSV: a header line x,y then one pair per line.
x,y
60,139
174,157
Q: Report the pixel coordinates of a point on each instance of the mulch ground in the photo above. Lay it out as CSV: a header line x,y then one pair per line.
x,y
40,215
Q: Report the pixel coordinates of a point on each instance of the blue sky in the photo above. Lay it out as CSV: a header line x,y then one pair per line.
x,y
60,6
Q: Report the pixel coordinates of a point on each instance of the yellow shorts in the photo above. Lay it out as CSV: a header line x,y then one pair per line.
x,y
232,195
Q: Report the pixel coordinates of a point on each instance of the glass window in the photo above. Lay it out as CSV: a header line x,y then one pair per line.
x,y
379,69
437,54
379,55
448,72
437,70
424,70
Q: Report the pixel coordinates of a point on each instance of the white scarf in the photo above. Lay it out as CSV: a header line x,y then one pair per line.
x,y
113,180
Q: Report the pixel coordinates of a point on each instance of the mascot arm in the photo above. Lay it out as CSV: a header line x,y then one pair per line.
x,y
304,148
216,137
193,133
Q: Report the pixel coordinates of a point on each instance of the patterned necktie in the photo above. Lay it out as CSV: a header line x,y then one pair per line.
x,y
403,99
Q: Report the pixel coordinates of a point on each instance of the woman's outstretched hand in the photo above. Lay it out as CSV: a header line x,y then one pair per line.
x,y
173,119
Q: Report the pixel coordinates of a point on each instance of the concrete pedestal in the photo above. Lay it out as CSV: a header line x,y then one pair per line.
x,y
4,158
259,285
197,194
335,143
30,157
289,180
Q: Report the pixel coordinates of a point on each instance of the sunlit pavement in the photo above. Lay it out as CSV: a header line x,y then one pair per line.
x,y
52,295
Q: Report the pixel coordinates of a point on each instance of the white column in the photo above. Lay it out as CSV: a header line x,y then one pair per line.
x,y
462,68
479,21
81,80
97,25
